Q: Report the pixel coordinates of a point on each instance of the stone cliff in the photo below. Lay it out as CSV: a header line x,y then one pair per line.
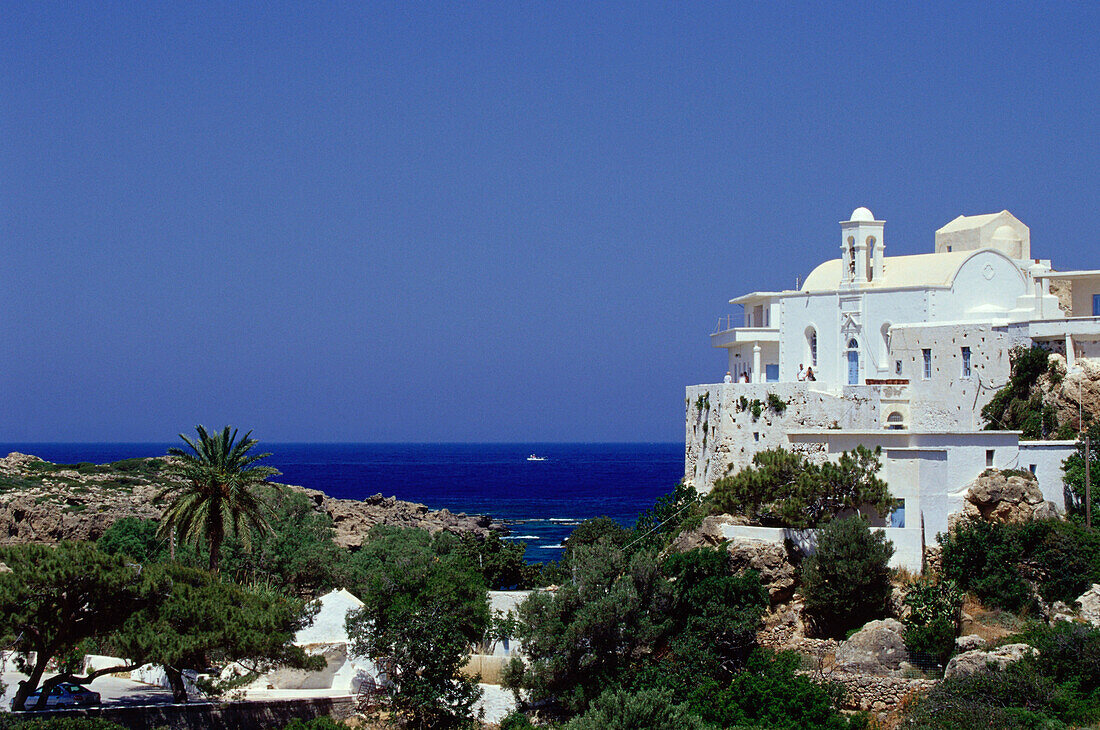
x,y
45,502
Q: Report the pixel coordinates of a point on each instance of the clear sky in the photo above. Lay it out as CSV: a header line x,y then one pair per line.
x,y
472,222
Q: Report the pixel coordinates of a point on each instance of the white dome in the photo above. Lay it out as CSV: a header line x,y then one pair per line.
x,y
1006,233
862,215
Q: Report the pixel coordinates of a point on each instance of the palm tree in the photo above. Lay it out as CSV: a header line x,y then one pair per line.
x,y
218,493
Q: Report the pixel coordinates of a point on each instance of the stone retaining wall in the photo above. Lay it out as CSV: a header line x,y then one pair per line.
x,y
872,693
249,715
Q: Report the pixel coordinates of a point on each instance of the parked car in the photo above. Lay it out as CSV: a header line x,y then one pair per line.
x,y
65,694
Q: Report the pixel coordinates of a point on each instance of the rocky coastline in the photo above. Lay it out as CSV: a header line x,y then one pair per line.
x,y
44,502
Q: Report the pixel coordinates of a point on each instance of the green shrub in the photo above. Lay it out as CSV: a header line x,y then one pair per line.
x,y
645,710
769,694
317,723
1016,698
516,720
785,489
847,580
777,404
933,621
1018,406
996,561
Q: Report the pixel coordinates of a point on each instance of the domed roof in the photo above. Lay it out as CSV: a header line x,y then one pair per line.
x,y
862,215
1006,233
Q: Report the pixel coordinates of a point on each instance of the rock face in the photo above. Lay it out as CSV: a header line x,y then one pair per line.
x,y
1078,391
977,660
770,560
1090,605
997,496
876,649
43,502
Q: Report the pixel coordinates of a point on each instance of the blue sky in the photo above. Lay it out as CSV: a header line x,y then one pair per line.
x,y
474,222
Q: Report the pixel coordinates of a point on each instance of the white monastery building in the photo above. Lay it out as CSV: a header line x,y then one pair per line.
x,y
905,351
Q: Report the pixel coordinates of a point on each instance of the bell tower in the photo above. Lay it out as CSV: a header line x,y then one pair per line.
x,y
862,248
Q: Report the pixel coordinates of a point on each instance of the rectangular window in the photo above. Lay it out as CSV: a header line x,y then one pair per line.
x,y
927,354
897,367
966,362
756,436
897,515
1031,468
1096,305
989,457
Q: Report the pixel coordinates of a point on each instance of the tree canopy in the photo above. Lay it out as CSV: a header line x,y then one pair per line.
x,y
424,606
218,495
786,489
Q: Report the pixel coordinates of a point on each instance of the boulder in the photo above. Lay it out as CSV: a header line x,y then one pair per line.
x,y
707,534
978,660
877,648
999,496
970,642
1090,605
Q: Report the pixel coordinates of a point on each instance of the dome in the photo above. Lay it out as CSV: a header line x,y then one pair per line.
x,y
1006,233
862,215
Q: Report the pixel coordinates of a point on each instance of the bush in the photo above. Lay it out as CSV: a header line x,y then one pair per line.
x,y
317,723
10,722
933,621
1019,404
996,562
785,489
516,720
769,694
645,710
1015,698
847,580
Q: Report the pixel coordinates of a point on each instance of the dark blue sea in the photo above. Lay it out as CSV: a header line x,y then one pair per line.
x,y
539,501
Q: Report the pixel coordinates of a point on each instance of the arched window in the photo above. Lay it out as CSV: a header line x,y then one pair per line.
x,y
870,257
895,421
851,254
853,362
811,346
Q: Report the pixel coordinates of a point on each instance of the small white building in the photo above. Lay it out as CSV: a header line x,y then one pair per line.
x,y
904,353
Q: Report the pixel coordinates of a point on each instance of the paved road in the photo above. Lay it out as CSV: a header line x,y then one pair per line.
x,y
112,690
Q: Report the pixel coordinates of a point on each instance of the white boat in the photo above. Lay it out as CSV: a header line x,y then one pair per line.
x,y
532,457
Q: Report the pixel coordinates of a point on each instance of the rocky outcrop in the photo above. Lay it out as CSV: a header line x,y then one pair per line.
x,y
353,518
978,660
43,502
770,560
1089,602
876,649
1000,496
1075,392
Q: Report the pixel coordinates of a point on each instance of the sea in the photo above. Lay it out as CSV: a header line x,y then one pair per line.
x,y
540,502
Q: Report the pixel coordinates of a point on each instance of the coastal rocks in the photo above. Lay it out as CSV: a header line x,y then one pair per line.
x,y
1078,391
876,649
999,496
45,503
978,660
352,518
